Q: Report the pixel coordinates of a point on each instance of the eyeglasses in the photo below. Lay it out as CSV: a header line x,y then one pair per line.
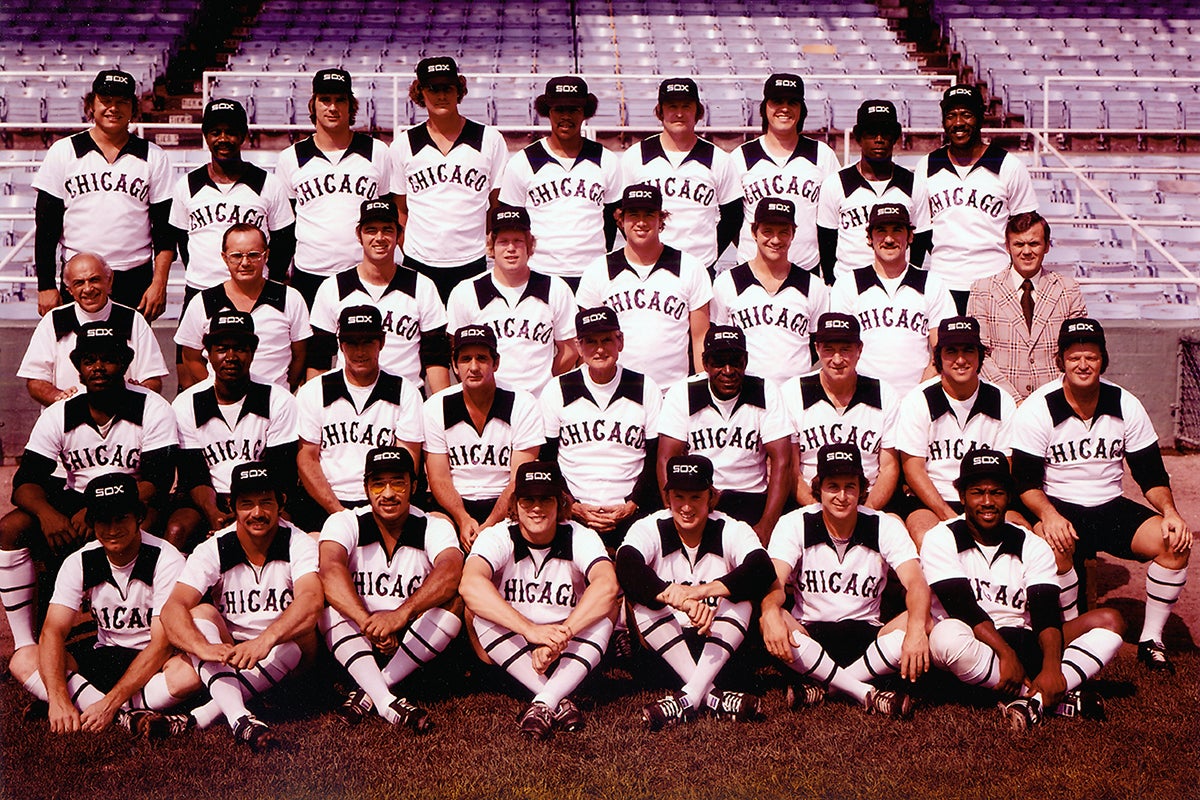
x,y
252,256
376,486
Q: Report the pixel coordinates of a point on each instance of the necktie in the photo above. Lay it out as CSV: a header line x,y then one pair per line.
x,y
1027,302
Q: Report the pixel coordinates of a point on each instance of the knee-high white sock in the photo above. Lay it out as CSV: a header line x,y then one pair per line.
x,y
511,652
580,657
1068,597
83,693
726,635
424,639
33,684
354,652
155,695
664,635
811,661
1086,654
882,658
1163,587
206,714
18,587
953,646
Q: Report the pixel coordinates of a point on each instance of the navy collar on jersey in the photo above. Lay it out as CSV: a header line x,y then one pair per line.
x,y
256,401
797,278
701,152
866,391
865,533
231,552
360,143
412,533
852,180
560,545
404,281
914,278
992,158
97,569
77,411
987,401
215,298
710,537
66,319
537,287
1108,404
753,152
1011,539
668,260
700,396
454,409
386,389
630,386
136,147
253,176
539,157
471,135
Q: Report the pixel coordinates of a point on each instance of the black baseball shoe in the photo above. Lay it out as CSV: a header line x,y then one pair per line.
x,y
356,708
804,695
892,703
736,706
1022,714
567,716
1154,656
142,723
1081,703
413,717
255,733
536,722
670,710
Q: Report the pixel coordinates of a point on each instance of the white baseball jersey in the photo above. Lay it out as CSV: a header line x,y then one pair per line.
x,y
410,306
868,422
694,186
328,189
280,318
107,205
776,325
796,177
451,186
205,209
729,433
1000,576
48,357
250,598
565,199
122,600
527,320
653,304
347,421
896,316
968,209
831,584
543,584
384,582
480,460
233,434
1084,459
846,202
933,426
601,432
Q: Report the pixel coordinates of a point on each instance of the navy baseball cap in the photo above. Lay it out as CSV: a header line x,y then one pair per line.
x,y
645,196
437,71
231,323
689,473
839,458
1080,330
112,495
835,327
678,89
783,86
360,319
724,339
509,218
565,90
252,476
959,331
983,464
224,111
538,479
889,214
877,115
775,209
115,83
331,81
963,96
601,319
99,337
474,335
378,211
388,459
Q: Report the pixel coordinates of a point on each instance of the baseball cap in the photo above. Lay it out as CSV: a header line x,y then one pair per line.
x,y
378,211
1080,330
959,331
889,214
388,459
228,112
115,83
474,334
565,90
252,476
601,319
678,89
875,115
99,337
839,458
775,209
538,479
111,495
331,81
724,339
645,196
360,319
835,327
963,96
437,71
981,464
689,473
231,323
509,218
783,86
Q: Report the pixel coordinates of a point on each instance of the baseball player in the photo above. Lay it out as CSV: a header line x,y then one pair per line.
x,y
848,196
997,602
46,367
833,558
973,188
898,305
281,317
477,435
123,578
390,576
785,164
837,404
414,318
262,575
532,314
541,595
345,413
109,427
700,188
109,192
448,167
737,421
774,301
569,184
660,294
225,421
328,176
1071,439
692,577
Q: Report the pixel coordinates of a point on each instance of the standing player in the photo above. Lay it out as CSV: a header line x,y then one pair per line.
x,y
700,188
390,576
550,627
1071,439
774,301
660,294
848,196
569,184
692,577
532,314
328,176
446,167
973,188
109,192
784,164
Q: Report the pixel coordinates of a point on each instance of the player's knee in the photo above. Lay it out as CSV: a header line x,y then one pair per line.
x,y
1110,619
182,679
1173,560
24,663
948,640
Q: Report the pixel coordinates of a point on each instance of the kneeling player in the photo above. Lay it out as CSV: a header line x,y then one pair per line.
x,y
125,575
692,577
834,559
551,625
390,575
998,605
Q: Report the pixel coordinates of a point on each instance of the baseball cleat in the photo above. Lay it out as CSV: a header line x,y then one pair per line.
x,y
1022,714
568,716
1081,704
357,707
803,695
737,706
143,724
176,724
670,710
413,717
254,732
623,644
1154,656
890,703
536,722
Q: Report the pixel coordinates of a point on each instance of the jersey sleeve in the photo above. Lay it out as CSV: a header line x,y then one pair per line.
x,y
718,308
652,402
498,157
1030,431
38,361
435,427
673,414
527,430
147,356
278,207
774,425
1021,195
587,549
941,304
552,409
828,206
161,184
166,573
562,309
281,428
891,415
398,159
590,293
297,311
458,307
729,187
699,288
429,305
68,586
612,176
515,181
939,556
494,546
410,425
308,411
1139,430
643,537
185,423
285,171
439,537
46,438
743,541
159,426
1038,559
895,545
203,567
325,310
1008,409
192,324
304,554
341,529
912,423
842,295
827,160
179,203
381,159
53,170
787,540
920,205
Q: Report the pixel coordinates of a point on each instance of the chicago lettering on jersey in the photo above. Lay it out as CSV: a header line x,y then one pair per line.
x,y
602,430
383,584
227,214
961,196
782,186
699,193
1086,449
241,451
107,181
101,456
480,455
953,449
838,582
445,173
854,217
355,432
768,315
545,593
889,317
522,329
567,186
668,305
1000,595
723,436
820,435
119,618
320,185
405,325
252,601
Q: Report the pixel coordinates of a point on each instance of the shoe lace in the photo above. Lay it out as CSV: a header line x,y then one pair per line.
x,y
670,707
1156,652
732,702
